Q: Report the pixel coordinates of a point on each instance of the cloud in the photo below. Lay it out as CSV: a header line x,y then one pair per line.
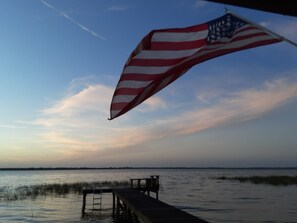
x,y
79,120
61,140
72,20
240,106
79,109
200,3
78,123
92,98
208,96
84,99
265,24
284,28
152,104
118,8
11,126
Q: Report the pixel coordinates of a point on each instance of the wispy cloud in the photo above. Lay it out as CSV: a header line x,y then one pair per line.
x,y
90,99
240,106
208,96
78,110
85,99
118,8
11,126
200,3
152,104
284,28
73,20
287,29
78,122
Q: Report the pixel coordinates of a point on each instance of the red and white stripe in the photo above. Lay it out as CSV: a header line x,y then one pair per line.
x,y
164,55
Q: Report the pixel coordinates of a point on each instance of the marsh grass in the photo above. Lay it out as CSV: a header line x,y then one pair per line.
x,y
56,189
268,180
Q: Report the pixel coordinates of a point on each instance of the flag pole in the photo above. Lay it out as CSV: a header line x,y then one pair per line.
x,y
264,28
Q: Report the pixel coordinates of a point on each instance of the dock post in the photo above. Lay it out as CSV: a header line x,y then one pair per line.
x,y
125,212
84,204
118,208
158,186
113,204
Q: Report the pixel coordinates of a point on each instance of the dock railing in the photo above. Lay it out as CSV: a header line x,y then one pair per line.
x,y
146,185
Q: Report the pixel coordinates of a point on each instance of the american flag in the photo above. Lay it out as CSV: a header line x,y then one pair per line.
x,y
165,55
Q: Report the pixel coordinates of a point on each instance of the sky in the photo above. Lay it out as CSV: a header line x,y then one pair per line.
x,y
60,62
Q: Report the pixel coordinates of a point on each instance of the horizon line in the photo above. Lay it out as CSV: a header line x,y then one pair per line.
x,y
133,167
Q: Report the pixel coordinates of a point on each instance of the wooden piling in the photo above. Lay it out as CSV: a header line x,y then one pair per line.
x,y
83,210
113,204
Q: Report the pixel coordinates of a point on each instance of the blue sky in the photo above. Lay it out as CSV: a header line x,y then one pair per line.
x,y
60,62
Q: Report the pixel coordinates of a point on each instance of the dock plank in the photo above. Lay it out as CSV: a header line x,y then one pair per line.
x,y
151,210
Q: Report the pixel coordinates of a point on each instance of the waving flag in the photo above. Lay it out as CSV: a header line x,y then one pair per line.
x,y
164,55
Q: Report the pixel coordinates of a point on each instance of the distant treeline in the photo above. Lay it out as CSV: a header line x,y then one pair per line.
x,y
111,168
268,180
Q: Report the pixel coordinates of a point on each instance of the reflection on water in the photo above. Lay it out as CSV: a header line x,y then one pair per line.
x,y
194,190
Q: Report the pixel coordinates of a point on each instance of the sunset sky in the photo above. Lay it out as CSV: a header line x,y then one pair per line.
x,y
60,62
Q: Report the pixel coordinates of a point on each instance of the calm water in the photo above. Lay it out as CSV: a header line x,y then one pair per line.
x,y
193,190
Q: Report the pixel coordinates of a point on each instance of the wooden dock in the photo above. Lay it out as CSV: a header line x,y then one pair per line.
x,y
135,205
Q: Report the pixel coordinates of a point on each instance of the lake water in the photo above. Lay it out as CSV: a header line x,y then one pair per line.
x,y
195,191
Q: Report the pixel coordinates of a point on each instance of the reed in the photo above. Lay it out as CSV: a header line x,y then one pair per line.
x,y
56,189
268,180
